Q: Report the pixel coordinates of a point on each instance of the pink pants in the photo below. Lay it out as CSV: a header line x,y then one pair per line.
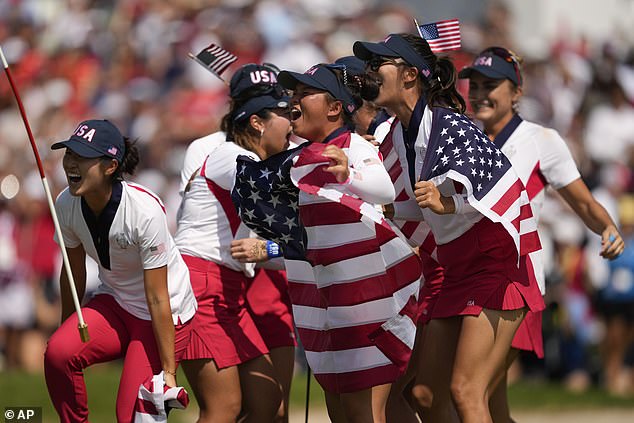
x,y
114,334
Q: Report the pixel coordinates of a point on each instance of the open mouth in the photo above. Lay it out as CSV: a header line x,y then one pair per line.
x,y
74,177
480,104
295,114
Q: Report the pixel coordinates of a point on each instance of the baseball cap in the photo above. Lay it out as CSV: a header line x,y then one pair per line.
x,y
95,138
258,84
321,77
252,76
496,63
353,64
394,45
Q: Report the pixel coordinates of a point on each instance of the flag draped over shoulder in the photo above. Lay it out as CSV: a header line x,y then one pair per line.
x,y
268,202
352,281
418,233
441,36
460,151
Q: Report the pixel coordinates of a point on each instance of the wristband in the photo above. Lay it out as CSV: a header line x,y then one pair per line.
x,y
273,250
458,202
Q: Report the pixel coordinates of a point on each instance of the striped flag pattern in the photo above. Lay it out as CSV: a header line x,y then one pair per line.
x,y
458,150
441,36
418,233
354,289
215,59
155,400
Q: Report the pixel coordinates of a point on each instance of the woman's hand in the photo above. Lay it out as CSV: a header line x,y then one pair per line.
x,y
428,196
612,244
169,377
338,163
249,250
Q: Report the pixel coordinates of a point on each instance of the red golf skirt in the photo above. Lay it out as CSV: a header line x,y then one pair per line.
x,y
529,335
270,307
222,329
481,271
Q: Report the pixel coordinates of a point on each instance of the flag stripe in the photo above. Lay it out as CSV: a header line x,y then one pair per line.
x,y
509,198
441,36
216,59
355,381
358,291
379,310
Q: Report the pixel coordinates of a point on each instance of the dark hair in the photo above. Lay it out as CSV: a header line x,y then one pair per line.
x,y
440,86
130,159
353,86
241,132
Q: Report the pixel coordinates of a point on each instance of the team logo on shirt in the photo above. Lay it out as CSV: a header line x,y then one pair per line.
x,y
155,250
122,241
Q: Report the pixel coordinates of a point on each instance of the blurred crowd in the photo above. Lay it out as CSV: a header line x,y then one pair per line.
x,y
128,62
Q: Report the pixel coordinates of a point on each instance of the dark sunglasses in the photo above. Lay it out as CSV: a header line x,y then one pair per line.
x,y
377,61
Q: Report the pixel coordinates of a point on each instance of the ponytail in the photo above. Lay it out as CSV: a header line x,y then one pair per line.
x,y
129,161
440,87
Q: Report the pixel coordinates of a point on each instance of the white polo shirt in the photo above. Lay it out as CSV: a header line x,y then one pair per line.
x,y
137,238
208,221
445,227
196,153
541,158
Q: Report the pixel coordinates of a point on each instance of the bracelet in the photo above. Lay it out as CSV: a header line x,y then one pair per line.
x,y
273,250
170,373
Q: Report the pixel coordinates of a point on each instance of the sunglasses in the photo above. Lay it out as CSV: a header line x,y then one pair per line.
x,y
377,61
509,57
275,90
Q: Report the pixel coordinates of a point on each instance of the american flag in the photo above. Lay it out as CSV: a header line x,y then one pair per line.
x,y
460,151
155,400
215,59
417,232
352,281
268,203
441,36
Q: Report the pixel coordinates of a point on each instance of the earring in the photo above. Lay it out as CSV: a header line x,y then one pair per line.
x,y
261,132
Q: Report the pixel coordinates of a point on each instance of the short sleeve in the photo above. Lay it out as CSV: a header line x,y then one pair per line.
x,y
153,238
64,210
555,161
220,167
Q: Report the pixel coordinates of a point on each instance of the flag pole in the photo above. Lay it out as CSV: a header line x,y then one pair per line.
x,y
308,374
82,326
418,28
200,62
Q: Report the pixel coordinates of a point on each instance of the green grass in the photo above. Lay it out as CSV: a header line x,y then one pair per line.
x,y
22,389
18,389
547,396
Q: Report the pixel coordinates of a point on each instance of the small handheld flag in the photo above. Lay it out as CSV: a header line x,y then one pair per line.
x,y
442,35
215,59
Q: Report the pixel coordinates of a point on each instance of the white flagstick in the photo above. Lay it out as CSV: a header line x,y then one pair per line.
x,y
418,28
82,326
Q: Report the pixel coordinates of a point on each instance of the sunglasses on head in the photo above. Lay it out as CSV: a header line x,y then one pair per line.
x,y
263,89
509,57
